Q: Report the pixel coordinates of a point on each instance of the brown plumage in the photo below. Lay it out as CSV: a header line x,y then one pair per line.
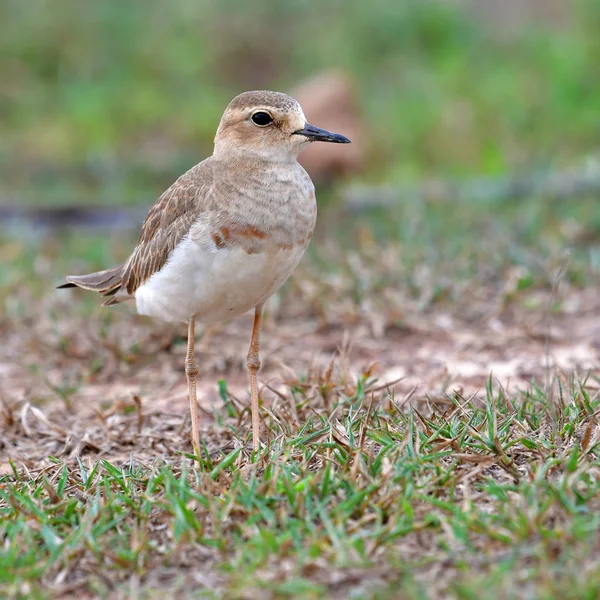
x,y
168,221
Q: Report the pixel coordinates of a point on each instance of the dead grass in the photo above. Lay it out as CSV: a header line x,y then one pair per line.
x,y
416,447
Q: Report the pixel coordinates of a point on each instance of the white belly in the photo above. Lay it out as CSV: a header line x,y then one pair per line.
x,y
214,286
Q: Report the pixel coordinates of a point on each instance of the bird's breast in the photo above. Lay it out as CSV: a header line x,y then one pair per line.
x,y
237,256
280,201
215,286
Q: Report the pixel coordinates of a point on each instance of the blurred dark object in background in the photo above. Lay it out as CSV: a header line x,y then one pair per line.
x,y
51,219
559,185
329,100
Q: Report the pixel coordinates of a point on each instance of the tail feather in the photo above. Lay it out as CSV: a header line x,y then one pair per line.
x,y
114,300
105,282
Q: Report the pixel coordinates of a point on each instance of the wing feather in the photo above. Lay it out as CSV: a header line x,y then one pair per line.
x,y
168,221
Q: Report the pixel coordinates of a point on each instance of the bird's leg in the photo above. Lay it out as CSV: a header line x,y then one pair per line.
x,y
253,362
191,372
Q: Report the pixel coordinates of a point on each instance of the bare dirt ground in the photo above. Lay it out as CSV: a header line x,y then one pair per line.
x,y
137,364
78,387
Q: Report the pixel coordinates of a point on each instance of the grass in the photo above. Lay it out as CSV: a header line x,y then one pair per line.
x,y
430,383
358,493
460,487
454,488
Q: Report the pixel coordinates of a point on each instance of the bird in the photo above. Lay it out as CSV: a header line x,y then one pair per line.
x,y
227,234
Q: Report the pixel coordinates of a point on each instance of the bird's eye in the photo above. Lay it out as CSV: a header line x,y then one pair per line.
x,y
262,119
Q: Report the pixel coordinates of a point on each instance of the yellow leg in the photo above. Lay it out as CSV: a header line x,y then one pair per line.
x,y
191,372
253,362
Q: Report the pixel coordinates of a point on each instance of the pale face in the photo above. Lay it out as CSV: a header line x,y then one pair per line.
x,y
269,124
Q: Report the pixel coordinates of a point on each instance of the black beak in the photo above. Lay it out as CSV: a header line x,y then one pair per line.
x,y
316,134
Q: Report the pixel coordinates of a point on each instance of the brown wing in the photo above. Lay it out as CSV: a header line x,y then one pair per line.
x,y
168,221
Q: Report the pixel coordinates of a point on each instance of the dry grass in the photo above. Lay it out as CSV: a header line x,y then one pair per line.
x,y
414,449
430,403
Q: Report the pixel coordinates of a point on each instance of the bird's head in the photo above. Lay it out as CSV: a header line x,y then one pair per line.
x,y
270,125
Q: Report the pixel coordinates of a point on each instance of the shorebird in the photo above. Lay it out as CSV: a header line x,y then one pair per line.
x,y
227,234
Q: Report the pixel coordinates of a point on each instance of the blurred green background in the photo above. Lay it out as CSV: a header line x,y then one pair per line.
x,y
106,103
109,101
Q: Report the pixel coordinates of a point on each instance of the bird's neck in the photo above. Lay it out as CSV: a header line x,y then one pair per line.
x,y
227,152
